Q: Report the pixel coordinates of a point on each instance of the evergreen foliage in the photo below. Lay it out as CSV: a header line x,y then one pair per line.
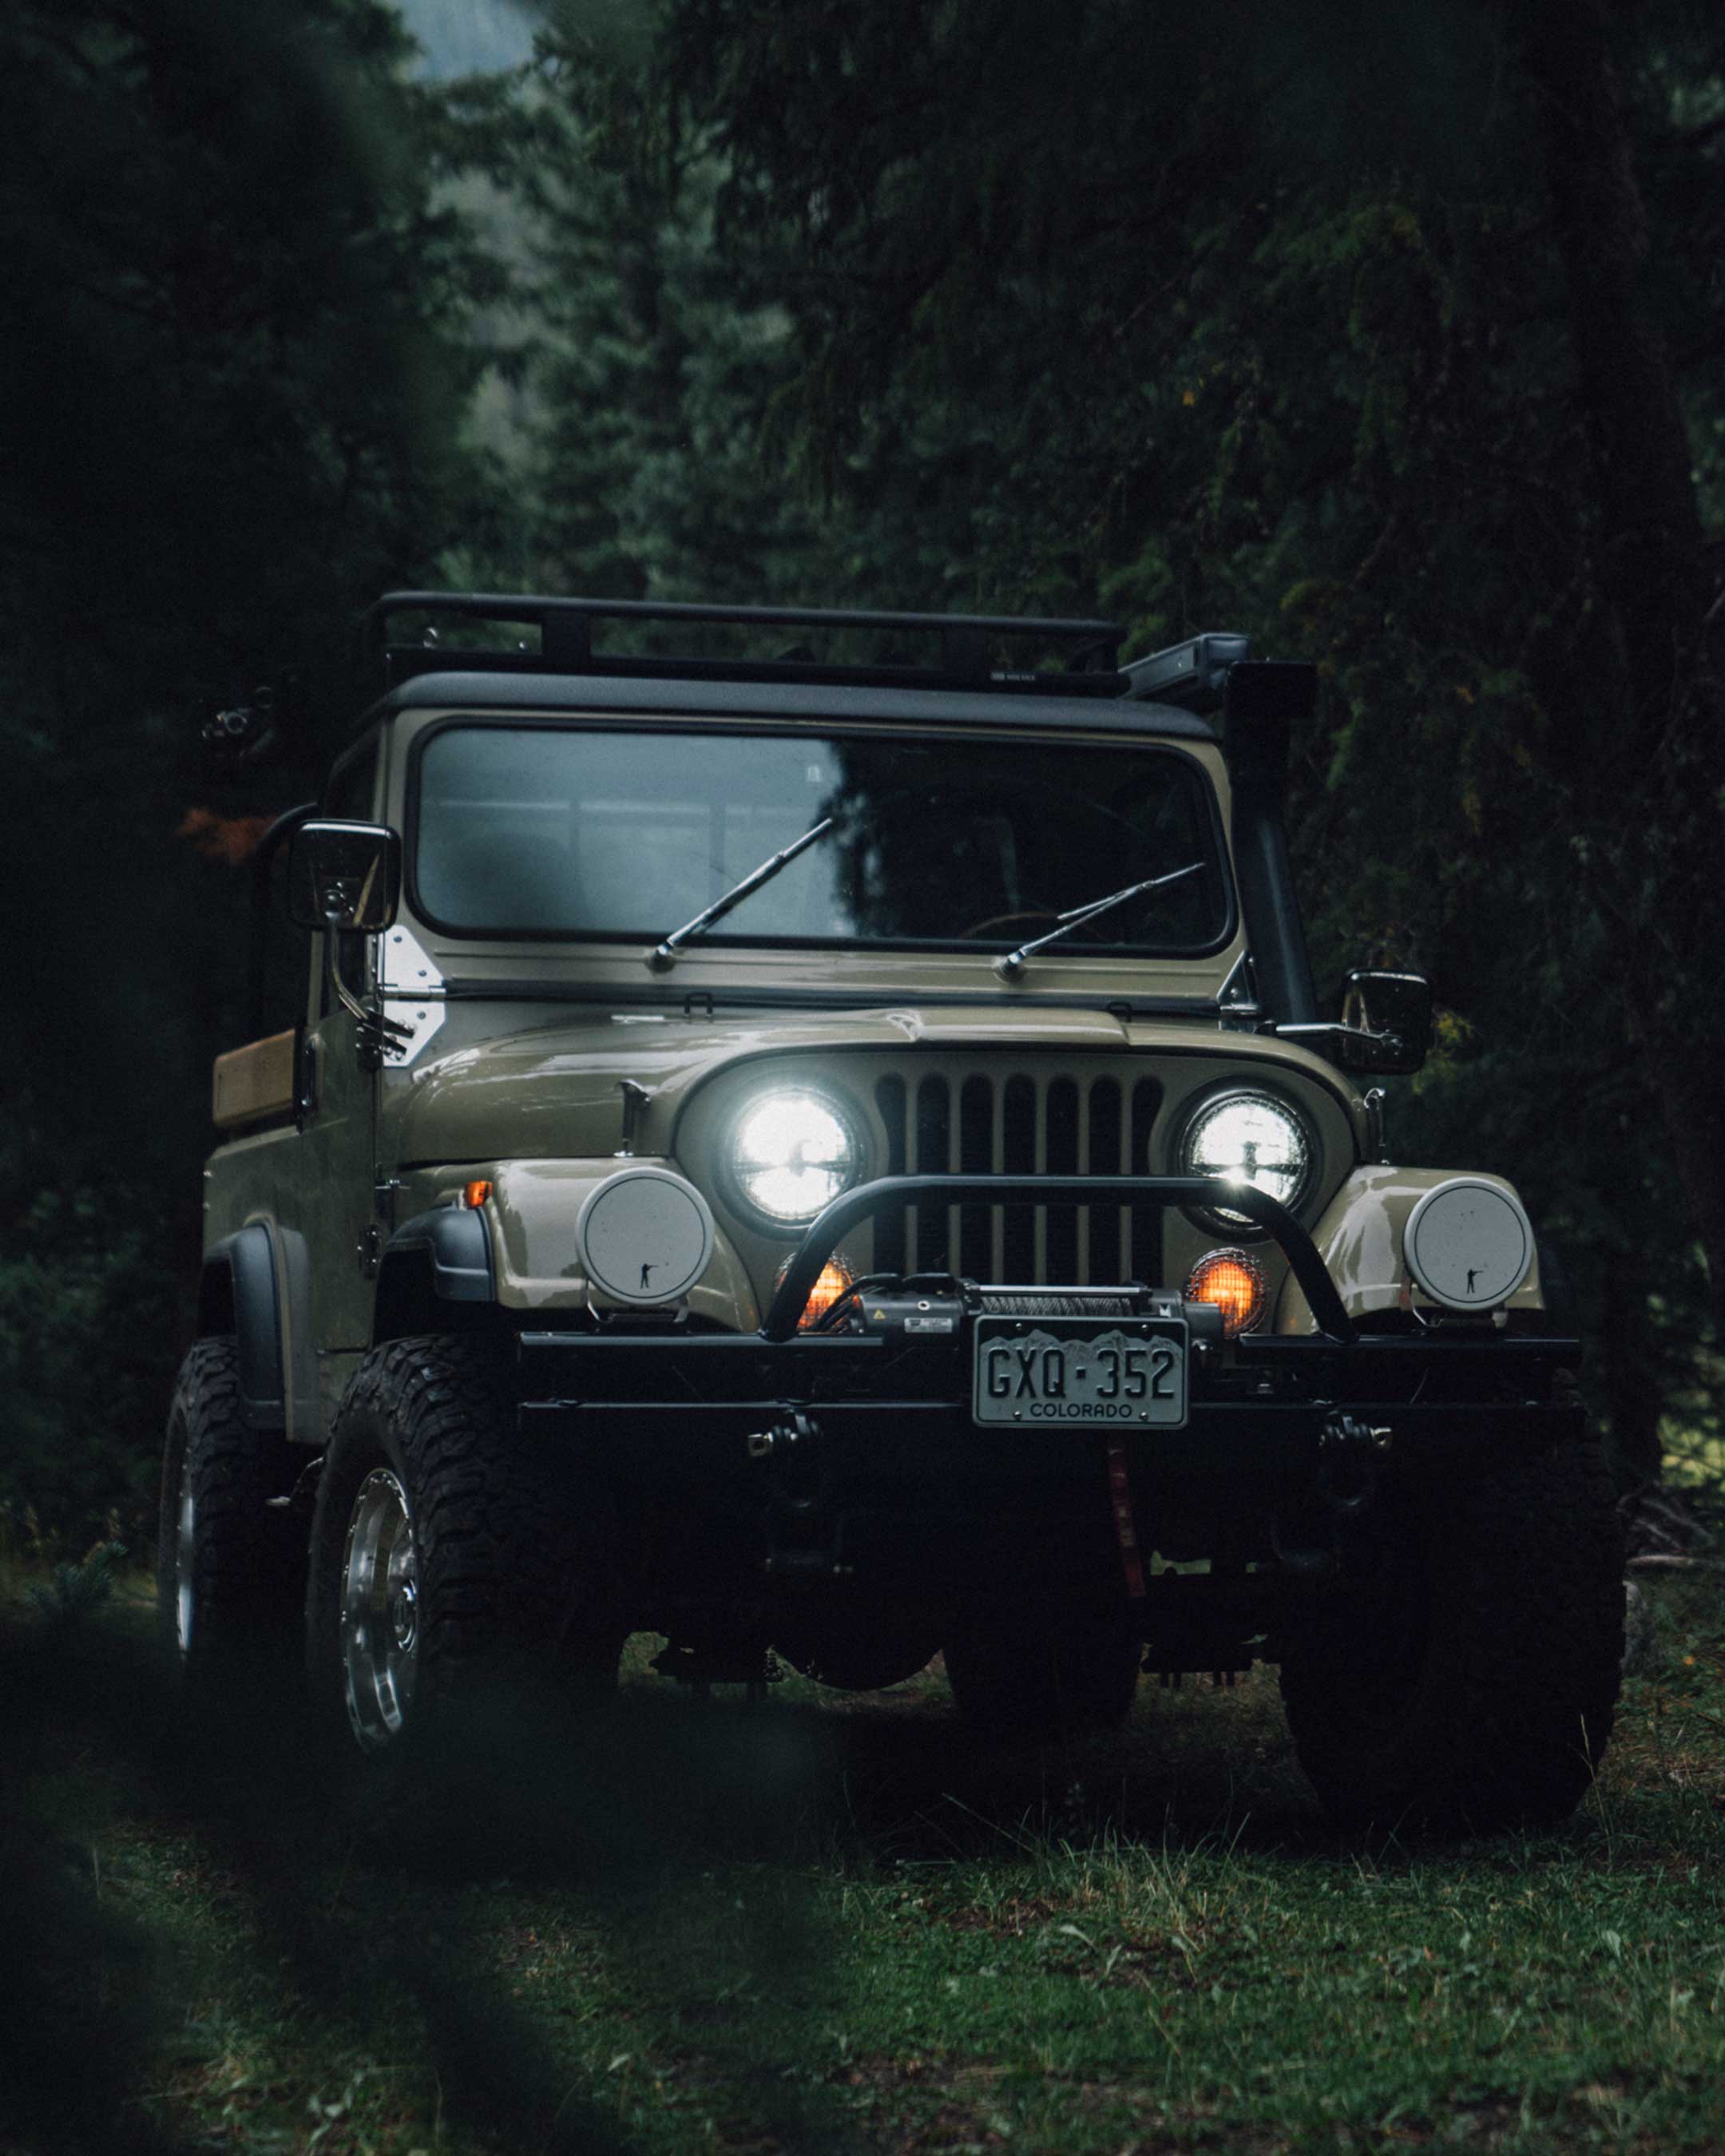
x,y
646,433
1319,323
235,348
72,1593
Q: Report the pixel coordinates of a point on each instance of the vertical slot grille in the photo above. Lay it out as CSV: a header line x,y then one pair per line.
x,y
1017,1256
976,1157
1108,1224
1144,1262
933,1155
889,1224
1060,1148
1023,1125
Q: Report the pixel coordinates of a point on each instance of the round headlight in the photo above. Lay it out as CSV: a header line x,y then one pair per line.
x,y
1234,1280
793,1152
1248,1138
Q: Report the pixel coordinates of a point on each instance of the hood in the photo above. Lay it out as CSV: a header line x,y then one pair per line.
x,y
548,1092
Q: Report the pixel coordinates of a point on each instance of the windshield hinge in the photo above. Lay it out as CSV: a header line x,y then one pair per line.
x,y
634,1100
1237,1006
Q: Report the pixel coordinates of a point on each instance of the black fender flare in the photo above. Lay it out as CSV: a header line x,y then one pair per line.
x,y
435,1260
1556,1289
239,1294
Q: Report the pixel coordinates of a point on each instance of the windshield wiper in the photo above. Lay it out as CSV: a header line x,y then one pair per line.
x,y
1013,964
665,955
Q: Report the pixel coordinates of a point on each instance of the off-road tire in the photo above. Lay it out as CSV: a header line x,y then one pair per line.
x,y
1495,1709
516,1589
1032,1673
244,1565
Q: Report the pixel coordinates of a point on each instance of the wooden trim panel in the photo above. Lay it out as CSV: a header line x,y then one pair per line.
x,y
254,1084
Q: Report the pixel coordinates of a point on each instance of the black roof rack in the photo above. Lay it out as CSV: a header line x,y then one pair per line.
x,y
555,636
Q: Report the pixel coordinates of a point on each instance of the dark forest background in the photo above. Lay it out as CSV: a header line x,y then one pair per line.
x,y
1395,337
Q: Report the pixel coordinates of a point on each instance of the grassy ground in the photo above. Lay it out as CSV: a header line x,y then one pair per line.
x,y
798,1927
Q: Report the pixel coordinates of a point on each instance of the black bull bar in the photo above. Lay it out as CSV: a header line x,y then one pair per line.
x,y
830,1227
1273,1395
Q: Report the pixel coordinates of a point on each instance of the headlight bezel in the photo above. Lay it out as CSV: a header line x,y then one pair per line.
x,y
1216,1220
843,1111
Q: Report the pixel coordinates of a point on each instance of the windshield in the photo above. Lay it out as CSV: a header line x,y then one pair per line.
x,y
602,832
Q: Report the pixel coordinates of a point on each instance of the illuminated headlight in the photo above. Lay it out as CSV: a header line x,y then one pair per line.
x,y
1248,1138
793,1152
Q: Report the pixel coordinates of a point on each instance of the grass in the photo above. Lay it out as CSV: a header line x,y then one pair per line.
x,y
805,1927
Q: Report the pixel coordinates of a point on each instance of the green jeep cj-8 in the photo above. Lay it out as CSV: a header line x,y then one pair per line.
x,y
837,1155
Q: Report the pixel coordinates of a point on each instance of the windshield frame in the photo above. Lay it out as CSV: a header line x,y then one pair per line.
x,y
718,942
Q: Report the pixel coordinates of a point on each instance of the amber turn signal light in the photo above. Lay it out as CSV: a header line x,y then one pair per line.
x,y
476,1194
1234,1280
836,1278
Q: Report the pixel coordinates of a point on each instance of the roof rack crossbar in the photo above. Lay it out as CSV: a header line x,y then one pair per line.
x,y
566,642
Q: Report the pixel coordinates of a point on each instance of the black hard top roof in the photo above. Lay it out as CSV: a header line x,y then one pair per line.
x,y
560,692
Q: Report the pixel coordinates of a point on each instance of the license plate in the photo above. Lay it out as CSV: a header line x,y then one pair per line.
x,y
1083,1372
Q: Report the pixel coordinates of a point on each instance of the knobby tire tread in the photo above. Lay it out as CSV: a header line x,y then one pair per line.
x,y
1513,1712
249,1567
512,1566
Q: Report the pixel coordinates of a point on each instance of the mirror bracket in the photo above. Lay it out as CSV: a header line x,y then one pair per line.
x,y
1350,1047
1384,1028
375,1033
1395,1009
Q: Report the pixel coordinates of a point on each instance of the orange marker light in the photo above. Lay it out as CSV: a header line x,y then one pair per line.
x,y
476,1194
1234,1280
835,1277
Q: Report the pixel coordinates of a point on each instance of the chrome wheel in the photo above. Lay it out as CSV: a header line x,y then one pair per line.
x,y
185,1558
380,1611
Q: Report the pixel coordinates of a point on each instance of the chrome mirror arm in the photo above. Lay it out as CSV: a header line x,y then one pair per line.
x,y
377,1032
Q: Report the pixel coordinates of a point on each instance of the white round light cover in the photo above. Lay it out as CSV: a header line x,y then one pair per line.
x,y
645,1235
1469,1244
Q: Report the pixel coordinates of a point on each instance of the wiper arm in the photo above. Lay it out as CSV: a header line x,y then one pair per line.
x,y
1013,964
664,955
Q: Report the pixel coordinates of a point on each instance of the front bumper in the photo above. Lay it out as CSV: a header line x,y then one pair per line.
x,y
1255,1407
809,1487
883,1419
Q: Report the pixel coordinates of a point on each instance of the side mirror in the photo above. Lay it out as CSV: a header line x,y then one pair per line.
x,y
1387,1019
344,876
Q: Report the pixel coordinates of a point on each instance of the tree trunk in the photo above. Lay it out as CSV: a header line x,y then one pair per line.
x,y
1647,790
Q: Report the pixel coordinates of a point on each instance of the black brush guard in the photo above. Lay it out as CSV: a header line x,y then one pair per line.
x,y
836,1223
1262,1404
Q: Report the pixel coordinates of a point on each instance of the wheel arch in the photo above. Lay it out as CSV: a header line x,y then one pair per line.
x,y
239,1293
437,1274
